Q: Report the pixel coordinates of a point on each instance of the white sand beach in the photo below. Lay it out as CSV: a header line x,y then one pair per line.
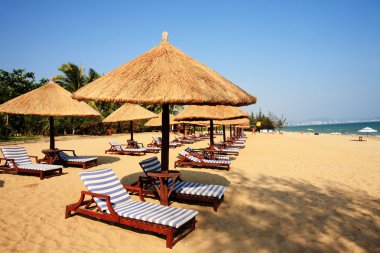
x,y
286,193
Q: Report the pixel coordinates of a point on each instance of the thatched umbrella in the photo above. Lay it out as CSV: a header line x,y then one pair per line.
x,y
157,121
232,122
203,112
48,100
165,75
130,112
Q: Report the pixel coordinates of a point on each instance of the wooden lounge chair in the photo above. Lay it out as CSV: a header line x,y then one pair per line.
x,y
200,152
157,142
17,161
117,148
110,201
203,194
135,144
226,151
187,159
83,161
183,140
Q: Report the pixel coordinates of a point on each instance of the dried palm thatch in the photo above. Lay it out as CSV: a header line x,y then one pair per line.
x,y
194,123
165,75
158,121
206,112
130,112
48,100
243,121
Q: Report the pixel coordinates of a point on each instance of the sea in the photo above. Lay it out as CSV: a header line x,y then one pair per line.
x,y
343,128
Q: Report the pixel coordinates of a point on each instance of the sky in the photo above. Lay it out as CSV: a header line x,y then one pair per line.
x,y
303,59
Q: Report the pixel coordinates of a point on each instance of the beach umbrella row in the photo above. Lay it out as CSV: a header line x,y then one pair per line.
x,y
130,112
165,75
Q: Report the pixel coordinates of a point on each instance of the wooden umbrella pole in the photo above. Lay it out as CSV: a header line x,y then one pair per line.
x,y
131,124
224,133
230,131
211,133
51,125
165,154
184,130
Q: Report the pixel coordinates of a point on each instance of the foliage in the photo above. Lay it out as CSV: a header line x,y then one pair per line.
x,y
13,84
270,121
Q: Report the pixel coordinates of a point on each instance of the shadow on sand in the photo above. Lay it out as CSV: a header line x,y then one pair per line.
x,y
1,183
287,215
107,159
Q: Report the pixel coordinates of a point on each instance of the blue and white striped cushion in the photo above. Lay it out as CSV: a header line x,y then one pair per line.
x,y
164,215
118,147
208,190
237,145
227,149
104,181
153,164
17,153
81,159
190,157
217,161
38,166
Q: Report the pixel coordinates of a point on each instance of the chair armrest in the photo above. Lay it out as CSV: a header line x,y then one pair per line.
x,y
35,157
70,150
140,143
102,196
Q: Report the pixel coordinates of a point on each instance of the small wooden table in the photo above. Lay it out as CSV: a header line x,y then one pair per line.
x,y
51,155
162,189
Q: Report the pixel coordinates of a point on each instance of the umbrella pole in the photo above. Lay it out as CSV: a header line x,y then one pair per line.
x,y
165,153
184,130
230,131
51,126
224,133
211,133
131,125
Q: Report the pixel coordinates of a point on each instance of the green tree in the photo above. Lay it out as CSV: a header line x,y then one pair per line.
x,y
14,84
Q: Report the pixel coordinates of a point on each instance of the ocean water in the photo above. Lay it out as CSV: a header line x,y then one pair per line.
x,y
344,128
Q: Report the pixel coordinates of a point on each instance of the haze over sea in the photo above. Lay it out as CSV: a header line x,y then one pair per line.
x,y
343,128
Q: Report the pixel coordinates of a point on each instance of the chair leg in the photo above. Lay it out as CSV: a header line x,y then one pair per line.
x,y
41,175
169,239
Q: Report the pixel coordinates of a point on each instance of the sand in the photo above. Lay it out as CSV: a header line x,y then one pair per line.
x,y
286,193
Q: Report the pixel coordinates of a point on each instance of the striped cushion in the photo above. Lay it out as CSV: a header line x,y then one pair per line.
x,y
226,149
118,147
17,153
153,164
65,157
217,161
38,166
190,188
190,157
153,148
104,181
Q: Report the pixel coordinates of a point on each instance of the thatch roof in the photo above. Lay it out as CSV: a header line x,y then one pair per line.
x,y
206,112
158,121
130,112
243,121
48,100
165,75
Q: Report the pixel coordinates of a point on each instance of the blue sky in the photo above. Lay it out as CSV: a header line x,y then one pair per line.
x,y
303,59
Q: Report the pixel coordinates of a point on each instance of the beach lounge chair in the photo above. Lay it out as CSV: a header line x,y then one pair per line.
x,y
199,152
188,159
117,148
226,151
17,160
150,149
157,142
184,140
204,194
83,161
110,201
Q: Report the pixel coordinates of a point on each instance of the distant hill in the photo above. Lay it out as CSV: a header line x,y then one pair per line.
x,y
326,121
